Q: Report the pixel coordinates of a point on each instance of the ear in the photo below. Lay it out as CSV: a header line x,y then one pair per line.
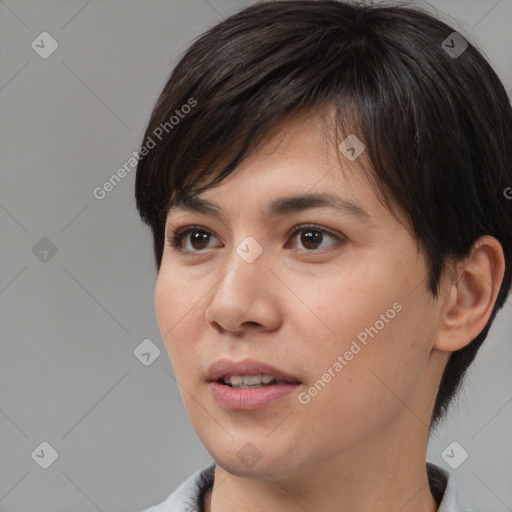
x,y
471,295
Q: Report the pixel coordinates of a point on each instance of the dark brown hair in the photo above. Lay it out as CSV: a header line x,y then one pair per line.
x,y
437,126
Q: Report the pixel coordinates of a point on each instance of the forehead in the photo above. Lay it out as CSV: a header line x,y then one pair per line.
x,y
297,166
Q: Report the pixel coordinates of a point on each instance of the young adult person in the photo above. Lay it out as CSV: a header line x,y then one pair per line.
x,y
326,188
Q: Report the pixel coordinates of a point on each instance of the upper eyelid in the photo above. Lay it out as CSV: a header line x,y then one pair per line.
x,y
297,227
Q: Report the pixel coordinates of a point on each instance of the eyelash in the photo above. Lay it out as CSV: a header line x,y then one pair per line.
x,y
175,238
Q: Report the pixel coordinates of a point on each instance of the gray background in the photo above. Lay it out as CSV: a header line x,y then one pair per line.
x,y
69,325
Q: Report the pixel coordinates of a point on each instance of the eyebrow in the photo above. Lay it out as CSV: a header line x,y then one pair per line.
x,y
278,207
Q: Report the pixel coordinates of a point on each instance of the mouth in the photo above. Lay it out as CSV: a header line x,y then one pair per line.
x,y
249,384
232,395
252,381
247,373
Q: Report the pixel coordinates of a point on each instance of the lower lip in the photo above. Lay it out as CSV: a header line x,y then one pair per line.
x,y
249,398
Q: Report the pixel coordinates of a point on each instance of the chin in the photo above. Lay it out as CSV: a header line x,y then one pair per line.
x,y
261,470
244,460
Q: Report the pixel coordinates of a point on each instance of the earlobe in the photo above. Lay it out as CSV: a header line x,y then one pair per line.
x,y
471,296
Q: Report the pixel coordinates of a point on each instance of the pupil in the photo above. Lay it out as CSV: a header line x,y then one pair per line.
x,y
311,237
200,237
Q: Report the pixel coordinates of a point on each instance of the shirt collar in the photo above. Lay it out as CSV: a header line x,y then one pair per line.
x,y
189,495
451,501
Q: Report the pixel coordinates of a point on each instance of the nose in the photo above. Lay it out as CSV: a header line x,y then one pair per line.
x,y
245,296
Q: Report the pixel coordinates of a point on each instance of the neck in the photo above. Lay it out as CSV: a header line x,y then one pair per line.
x,y
384,475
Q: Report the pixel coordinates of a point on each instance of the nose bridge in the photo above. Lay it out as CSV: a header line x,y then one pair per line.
x,y
246,264
238,296
249,250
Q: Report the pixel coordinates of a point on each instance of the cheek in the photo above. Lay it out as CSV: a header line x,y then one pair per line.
x,y
376,325
175,299
375,383
336,306
172,310
165,302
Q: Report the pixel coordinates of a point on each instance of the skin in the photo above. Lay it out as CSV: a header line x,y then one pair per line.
x,y
360,444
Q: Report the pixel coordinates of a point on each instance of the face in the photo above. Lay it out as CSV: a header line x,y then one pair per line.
x,y
341,304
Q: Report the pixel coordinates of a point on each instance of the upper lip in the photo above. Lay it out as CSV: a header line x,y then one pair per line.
x,y
225,367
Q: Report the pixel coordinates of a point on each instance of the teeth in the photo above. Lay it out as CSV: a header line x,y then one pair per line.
x,y
248,380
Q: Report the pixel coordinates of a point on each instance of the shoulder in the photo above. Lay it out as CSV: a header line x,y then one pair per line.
x,y
188,496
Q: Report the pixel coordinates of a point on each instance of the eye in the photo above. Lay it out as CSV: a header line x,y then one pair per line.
x,y
199,239
313,235
311,239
